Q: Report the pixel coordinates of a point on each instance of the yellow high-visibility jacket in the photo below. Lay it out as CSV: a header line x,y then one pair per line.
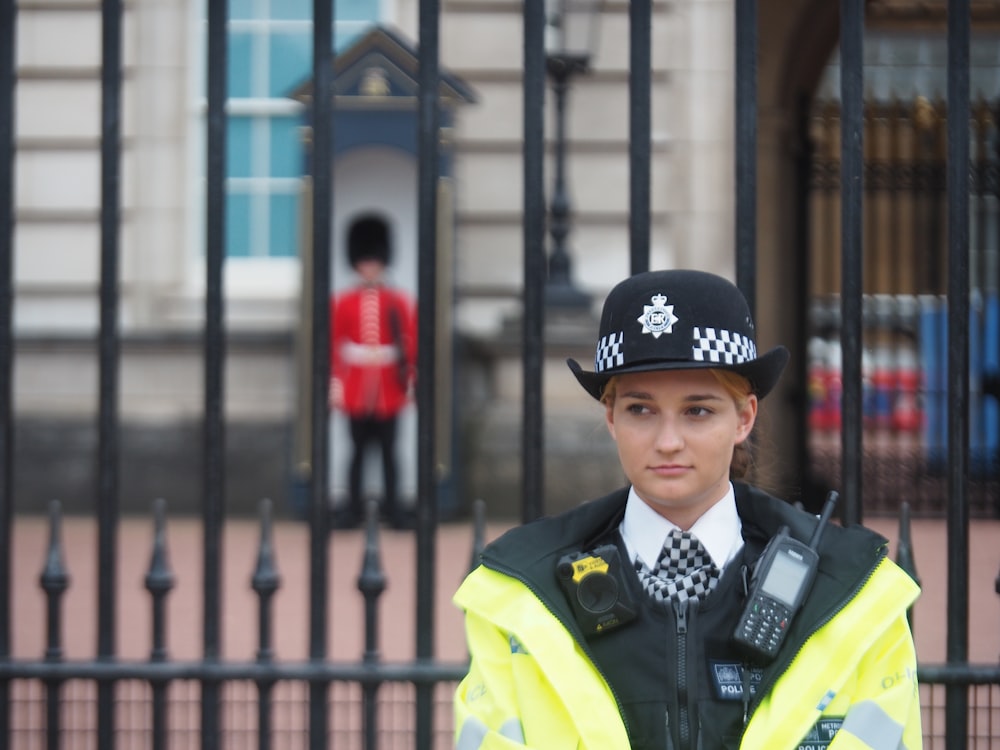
x,y
848,669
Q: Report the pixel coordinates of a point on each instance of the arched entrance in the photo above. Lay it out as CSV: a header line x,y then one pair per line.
x,y
904,246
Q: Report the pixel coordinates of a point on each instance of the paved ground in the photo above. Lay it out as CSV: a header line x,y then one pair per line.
x,y
398,557
396,627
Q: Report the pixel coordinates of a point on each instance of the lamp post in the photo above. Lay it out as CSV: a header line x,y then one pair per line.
x,y
570,43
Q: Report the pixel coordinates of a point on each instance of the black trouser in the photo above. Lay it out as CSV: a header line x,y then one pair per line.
x,y
366,431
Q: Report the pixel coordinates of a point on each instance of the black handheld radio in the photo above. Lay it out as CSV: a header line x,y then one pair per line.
x,y
780,581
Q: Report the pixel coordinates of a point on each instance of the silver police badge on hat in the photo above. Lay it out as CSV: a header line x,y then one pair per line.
x,y
657,318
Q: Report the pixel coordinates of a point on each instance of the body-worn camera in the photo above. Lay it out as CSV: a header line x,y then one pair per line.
x,y
595,588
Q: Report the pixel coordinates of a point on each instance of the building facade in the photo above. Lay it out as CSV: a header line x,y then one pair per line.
x,y
57,231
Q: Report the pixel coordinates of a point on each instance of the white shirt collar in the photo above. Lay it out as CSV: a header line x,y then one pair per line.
x,y
719,529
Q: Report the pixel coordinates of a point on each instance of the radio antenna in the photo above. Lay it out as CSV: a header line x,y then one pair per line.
x,y
824,518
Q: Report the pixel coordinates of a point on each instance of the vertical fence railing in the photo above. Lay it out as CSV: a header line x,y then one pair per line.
x,y
213,447
107,495
640,132
320,165
265,583
746,150
428,171
54,580
8,63
851,259
956,720
159,582
534,264
371,584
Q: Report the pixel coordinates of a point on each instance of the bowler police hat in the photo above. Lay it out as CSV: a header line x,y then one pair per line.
x,y
368,239
678,320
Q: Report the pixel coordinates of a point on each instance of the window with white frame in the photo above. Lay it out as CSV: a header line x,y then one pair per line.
x,y
270,54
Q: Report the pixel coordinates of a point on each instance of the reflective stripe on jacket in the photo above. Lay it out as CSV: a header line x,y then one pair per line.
x,y
530,684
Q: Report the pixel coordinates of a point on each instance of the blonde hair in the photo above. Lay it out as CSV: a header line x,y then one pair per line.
x,y
738,388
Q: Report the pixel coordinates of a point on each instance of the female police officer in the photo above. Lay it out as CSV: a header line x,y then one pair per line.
x,y
608,627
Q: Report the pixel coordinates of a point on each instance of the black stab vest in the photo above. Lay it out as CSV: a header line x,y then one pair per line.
x,y
701,664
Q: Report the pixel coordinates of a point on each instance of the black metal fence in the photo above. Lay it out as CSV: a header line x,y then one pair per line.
x,y
318,702
905,307
264,703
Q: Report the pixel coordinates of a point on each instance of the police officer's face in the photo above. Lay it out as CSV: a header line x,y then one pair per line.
x,y
676,431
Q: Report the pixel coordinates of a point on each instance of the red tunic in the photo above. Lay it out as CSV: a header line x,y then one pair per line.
x,y
371,365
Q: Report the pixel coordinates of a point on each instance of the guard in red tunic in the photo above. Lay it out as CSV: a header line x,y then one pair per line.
x,y
372,364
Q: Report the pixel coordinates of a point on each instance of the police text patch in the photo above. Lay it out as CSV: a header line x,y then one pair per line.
x,y
821,735
727,677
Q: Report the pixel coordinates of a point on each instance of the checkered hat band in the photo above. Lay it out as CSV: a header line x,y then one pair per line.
x,y
720,346
609,352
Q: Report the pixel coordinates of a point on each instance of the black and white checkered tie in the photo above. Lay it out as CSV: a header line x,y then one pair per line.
x,y
684,570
